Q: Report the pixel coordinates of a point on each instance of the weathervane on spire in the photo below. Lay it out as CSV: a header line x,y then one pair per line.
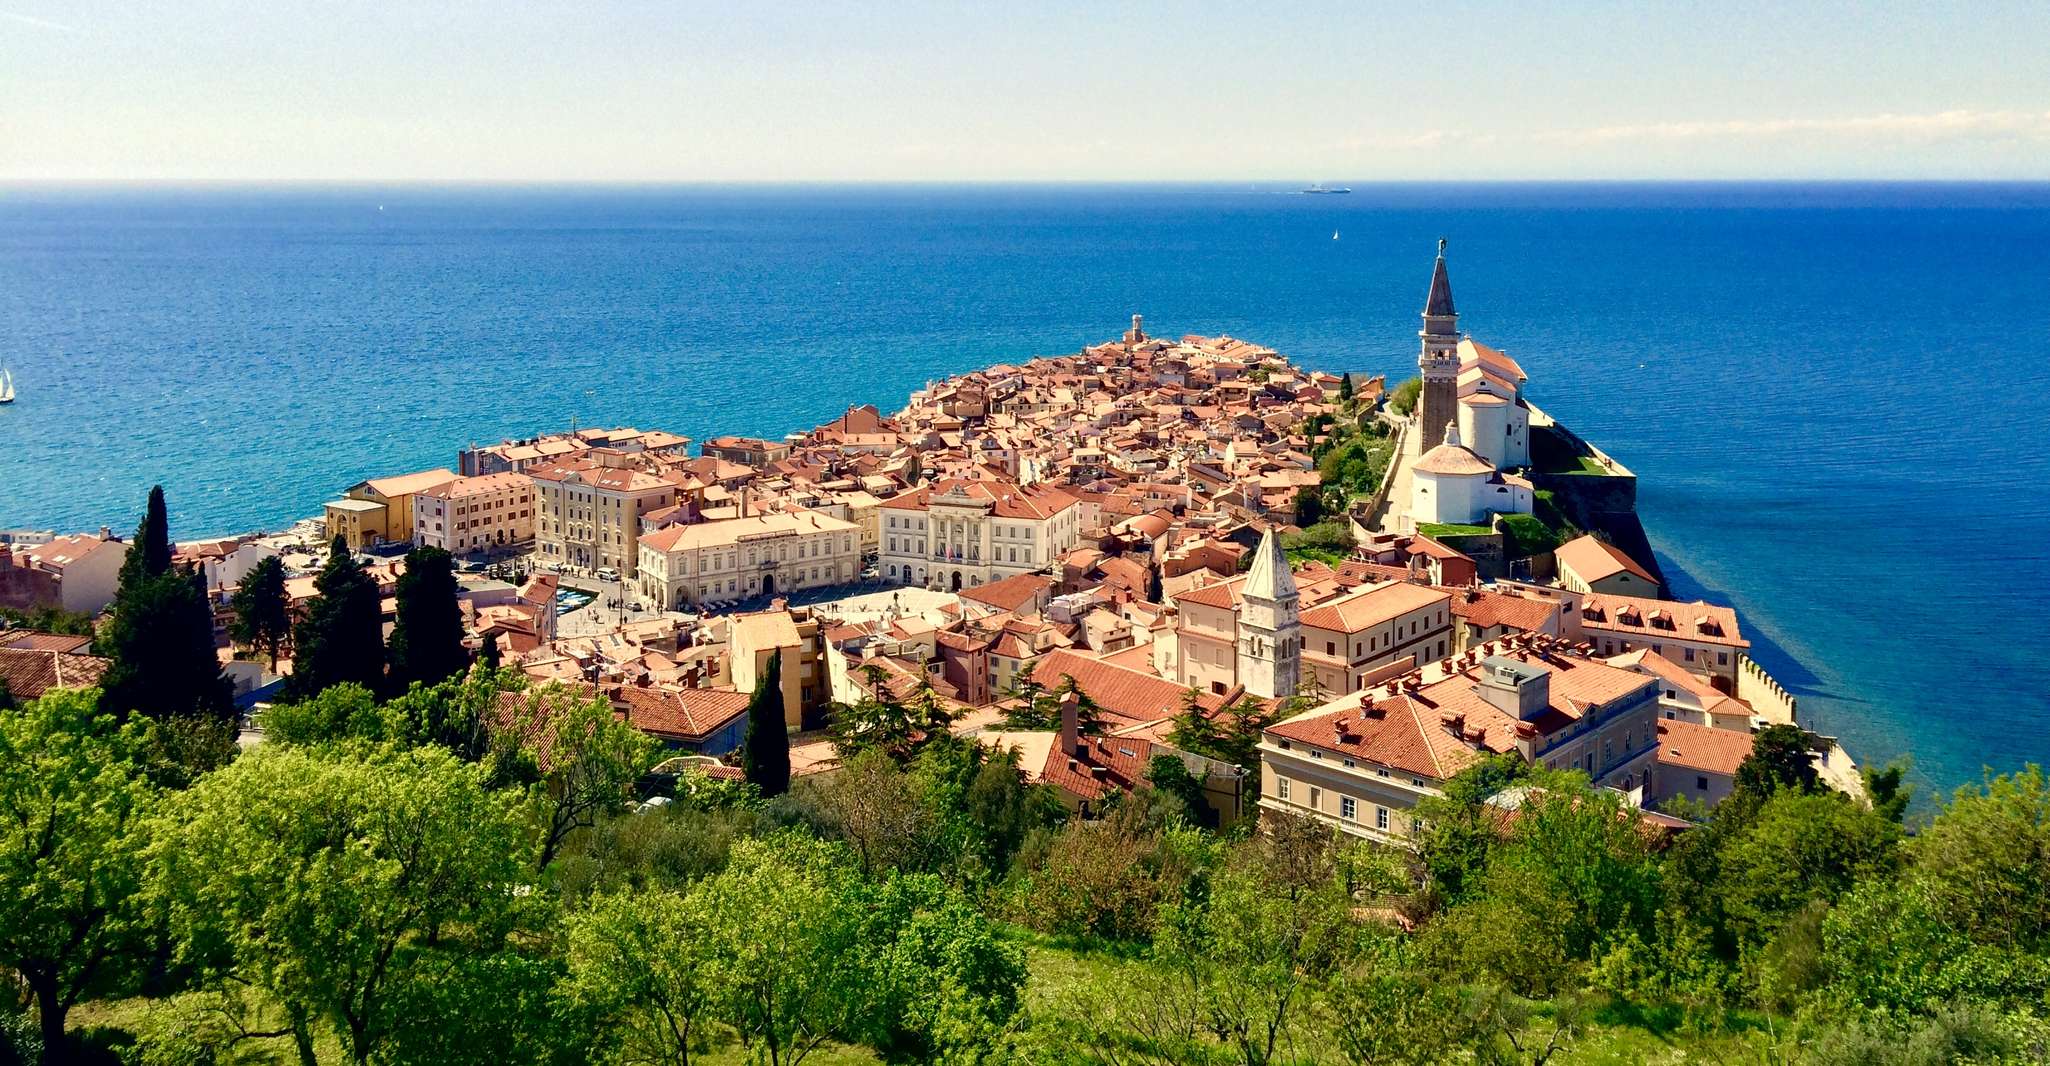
x,y
1441,247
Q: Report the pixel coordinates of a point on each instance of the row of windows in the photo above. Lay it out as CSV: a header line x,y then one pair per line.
x,y
1348,807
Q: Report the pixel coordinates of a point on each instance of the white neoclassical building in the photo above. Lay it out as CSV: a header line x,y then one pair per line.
x,y
959,533
685,566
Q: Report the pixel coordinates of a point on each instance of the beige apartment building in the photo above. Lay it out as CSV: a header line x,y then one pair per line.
x,y
1700,638
1362,762
587,513
470,514
685,566
1350,637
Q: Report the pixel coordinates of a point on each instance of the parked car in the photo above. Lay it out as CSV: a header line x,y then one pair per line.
x,y
606,573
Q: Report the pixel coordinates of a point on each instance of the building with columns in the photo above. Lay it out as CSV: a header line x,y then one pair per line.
x,y
959,533
1438,361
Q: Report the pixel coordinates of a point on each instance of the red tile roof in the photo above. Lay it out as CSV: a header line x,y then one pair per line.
x,y
690,714
1699,747
29,674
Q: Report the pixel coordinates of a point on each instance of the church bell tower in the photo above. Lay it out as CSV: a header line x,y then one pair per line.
x,y
1269,631
1438,362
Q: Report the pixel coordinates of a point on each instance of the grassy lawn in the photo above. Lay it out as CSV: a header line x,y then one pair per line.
x,y
1436,530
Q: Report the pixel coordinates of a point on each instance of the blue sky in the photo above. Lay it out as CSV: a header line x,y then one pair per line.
x,y
680,91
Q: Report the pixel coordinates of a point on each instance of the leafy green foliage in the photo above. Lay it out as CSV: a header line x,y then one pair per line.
x,y
1403,399
47,619
339,881
74,802
161,638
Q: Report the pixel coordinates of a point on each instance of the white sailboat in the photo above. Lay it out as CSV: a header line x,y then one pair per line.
x,y
6,386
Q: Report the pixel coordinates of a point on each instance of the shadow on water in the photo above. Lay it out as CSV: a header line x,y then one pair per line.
x,y
1769,653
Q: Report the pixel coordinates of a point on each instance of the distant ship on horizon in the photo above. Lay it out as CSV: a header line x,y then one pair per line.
x,y
1318,189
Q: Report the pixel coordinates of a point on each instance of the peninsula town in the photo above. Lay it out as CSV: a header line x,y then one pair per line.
x,y
1388,586
1163,702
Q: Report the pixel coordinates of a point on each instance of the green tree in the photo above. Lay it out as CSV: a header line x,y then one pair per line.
x,y
263,618
1458,830
161,641
48,618
341,639
1403,400
879,723
642,963
765,751
1345,388
427,639
338,712
878,809
1887,789
1387,1015
1573,873
1779,759
74,804
783,934
588,756
488,653
1801,847
1251,957
1170,776
339,880
1309,507
1982,863
941,985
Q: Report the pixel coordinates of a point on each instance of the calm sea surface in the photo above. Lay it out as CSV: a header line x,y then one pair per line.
x,y
1835,396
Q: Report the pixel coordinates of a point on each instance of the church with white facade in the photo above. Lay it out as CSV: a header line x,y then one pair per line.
x,y
1472,423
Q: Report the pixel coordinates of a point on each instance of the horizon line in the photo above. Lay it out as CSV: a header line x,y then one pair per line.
x,y
1286,184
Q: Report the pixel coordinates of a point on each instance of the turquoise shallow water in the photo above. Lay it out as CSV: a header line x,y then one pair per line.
x,y
1834,395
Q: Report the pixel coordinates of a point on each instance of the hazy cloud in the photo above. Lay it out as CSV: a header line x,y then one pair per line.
x,y
31,20
1939,125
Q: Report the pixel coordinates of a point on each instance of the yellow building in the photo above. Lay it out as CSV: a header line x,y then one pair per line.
x,y
794,635
381,509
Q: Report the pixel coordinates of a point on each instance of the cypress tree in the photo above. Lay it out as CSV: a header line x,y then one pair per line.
x,y
342,636
149,554
489,654
1345,388
765,753
161,641
427,640
161,637
263,616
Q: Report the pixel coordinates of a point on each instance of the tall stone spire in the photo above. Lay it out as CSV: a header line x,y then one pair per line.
x,y
1268,663
1439,303
1438,361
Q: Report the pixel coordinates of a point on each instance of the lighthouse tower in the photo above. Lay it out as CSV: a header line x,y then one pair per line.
x,y
1438,362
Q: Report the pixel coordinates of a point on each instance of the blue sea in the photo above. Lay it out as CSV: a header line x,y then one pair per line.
x,y
1835,396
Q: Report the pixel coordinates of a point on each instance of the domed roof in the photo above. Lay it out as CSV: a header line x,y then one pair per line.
x,y
1455,460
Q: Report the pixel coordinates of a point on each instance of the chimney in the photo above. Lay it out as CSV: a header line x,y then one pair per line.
x,y
1517,689
1071,723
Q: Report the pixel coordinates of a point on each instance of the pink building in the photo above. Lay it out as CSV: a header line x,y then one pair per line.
x,y
480,513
